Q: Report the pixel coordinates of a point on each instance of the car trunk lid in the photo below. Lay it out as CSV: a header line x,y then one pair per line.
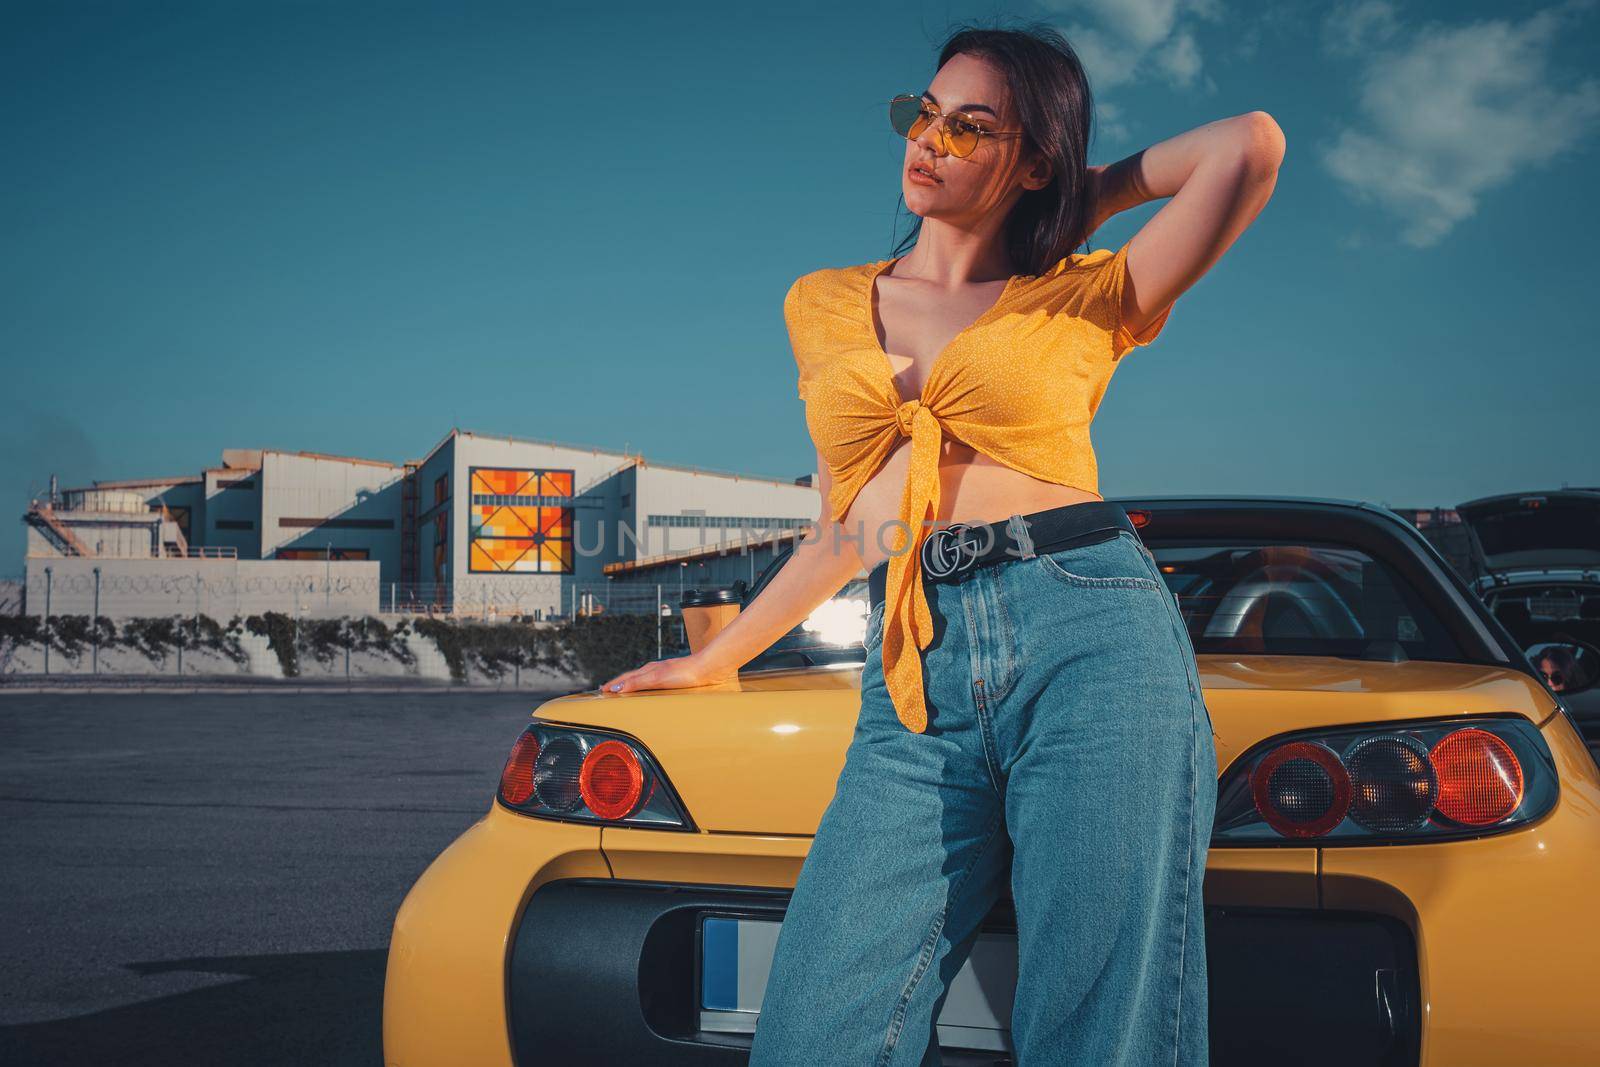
x,y
1530,531
762,754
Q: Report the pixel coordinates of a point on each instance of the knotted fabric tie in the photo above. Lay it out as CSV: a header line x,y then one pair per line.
x,y
906,611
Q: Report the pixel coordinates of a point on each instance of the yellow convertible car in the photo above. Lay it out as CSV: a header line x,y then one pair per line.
x,y
1406,846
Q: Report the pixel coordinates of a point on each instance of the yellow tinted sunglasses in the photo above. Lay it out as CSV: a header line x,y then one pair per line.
x,y
961,132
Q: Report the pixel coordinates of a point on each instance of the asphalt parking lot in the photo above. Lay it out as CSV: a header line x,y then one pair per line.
x,y
204,878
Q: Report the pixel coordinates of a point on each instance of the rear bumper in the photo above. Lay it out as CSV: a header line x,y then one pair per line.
x,y
528,943
444,992
1505,944
603,971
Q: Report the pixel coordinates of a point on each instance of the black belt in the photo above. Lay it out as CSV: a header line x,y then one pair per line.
x,y
951,553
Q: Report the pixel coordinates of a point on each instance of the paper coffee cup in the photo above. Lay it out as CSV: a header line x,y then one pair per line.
x,y
705,613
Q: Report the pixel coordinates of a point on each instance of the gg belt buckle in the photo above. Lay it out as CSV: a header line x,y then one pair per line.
x,y
946,552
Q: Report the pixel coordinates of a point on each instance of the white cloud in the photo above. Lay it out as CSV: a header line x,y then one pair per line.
x,y
1357,27
1118,39
1109,121
1449,113
1179,58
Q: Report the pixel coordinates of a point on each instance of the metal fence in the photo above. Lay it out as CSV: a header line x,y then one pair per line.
x,y
317,596
485,600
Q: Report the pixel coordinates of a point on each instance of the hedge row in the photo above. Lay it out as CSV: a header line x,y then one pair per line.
x,y
594,648
155,637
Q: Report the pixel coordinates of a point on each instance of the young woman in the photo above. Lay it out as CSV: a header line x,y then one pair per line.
x,y
1030,705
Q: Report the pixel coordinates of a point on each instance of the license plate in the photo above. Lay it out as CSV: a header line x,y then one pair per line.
x,y
736,957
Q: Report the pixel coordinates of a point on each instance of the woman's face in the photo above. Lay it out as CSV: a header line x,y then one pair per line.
x,y
995,174
1553,673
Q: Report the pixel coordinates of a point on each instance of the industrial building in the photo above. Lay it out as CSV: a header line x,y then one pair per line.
x,y
480,524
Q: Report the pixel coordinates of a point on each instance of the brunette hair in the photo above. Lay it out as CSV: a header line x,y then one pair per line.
x,y
1053,104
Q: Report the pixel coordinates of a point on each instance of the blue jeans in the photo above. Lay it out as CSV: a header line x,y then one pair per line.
x,y
1068,749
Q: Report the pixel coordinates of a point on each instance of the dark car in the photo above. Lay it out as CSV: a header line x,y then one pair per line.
x,y
1534,560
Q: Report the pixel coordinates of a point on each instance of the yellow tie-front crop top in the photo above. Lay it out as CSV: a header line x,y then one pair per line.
x,y
1021,385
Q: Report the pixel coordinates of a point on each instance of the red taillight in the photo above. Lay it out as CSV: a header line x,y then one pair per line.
x,y
516,780
563,772
1301,789
1419,781
611,779
1480,779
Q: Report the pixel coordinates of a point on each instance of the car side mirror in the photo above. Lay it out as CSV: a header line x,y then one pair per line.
x,y
1567,666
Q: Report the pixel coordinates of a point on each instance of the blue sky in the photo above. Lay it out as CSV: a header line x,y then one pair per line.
x,y
345,227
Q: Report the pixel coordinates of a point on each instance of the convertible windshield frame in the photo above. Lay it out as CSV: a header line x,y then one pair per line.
x,y
1382,535
1385,537
1319,579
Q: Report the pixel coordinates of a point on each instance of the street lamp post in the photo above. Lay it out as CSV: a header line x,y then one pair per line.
x,y
47,582
95,660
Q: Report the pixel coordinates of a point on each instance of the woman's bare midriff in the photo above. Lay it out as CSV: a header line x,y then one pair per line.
x,y
973,488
